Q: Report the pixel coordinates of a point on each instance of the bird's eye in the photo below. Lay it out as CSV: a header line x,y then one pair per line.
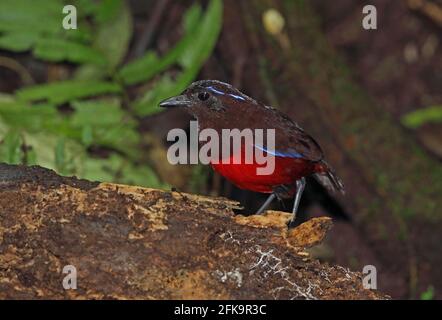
x,y
203,96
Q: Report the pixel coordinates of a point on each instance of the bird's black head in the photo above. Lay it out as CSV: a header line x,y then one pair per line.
x,y
208,97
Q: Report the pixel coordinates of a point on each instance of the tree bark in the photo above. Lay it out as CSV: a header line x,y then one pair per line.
x,y
129,242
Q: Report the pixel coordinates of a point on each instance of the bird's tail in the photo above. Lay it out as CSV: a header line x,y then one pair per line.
x,y
328,178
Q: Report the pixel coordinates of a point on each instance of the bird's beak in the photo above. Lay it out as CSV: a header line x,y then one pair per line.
x,y
178,101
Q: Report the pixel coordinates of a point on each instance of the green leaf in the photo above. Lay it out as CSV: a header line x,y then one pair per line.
x,y
95,169
112,40
43,16
417,118
88,72
59,141
34,119
116,168
99,122
55,49
60,156
11,147
113,36
97,113
206,36
47,147
140,176
191,55
20,146
4,128
199,178
428,294
25,24
83,34
87,137
164,88
31,157
192,17
107,10
144,68
17,42
87,7
64,91
6,98
140,69
107,124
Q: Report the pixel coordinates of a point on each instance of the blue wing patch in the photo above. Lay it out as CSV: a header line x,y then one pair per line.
x,y
215,90
288,154
237,97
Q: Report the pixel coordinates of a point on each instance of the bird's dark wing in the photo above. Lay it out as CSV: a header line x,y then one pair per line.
x,y
291,140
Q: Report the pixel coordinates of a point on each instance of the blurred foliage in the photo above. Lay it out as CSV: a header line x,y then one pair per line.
x,y
33,127
417,118
199,177
428,294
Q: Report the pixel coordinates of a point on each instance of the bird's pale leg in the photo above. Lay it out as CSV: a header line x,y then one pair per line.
x,y
300,185
266,204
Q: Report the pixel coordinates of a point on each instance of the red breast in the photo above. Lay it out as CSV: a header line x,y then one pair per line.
x,y
244,176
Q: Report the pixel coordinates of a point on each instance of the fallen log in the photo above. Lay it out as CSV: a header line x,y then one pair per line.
x,y
128,242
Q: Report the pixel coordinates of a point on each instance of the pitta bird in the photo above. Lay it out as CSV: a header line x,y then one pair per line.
x,y
218,105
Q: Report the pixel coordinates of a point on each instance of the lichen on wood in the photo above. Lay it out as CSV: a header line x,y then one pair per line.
x,y
128,242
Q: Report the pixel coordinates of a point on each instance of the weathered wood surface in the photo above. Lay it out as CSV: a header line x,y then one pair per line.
x,y
131,242
393,187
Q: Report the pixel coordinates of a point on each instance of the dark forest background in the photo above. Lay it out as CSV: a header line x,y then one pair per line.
x,y
84,102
